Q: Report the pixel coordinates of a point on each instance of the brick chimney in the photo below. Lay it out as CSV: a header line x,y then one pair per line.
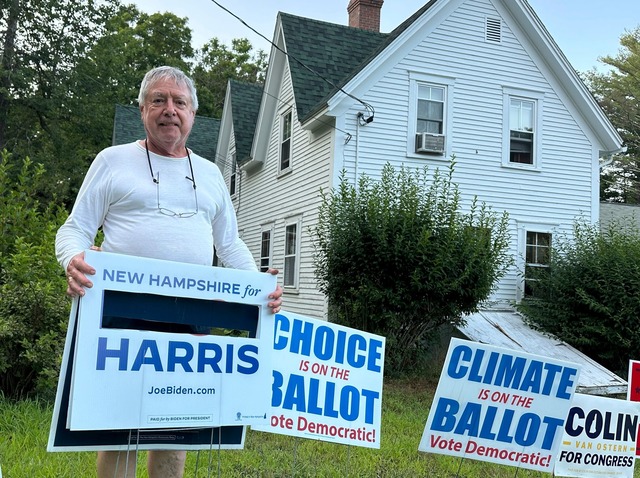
x,y
365,14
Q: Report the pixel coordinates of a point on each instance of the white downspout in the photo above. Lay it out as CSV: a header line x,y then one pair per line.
x,y
355,168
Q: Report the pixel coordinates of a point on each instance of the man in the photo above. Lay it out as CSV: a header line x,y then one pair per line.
x,y
154,198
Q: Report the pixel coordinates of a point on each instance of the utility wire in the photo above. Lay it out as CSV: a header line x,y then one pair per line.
x,y
326,123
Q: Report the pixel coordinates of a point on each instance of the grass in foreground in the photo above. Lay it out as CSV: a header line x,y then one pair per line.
x,y
24,429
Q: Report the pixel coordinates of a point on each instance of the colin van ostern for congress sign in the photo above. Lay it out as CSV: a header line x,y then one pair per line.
x,y
599,438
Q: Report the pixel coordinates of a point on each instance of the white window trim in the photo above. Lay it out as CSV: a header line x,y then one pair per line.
x,y
266,228
537,98
281,171
445,82
521,260
289,221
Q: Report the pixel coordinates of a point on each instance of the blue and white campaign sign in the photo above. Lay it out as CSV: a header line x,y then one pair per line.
x,y
500,405
327,382
599,438
136,377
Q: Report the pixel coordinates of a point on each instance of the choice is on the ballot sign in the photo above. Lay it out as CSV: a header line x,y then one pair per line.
x,y
500,405
327,382
144,356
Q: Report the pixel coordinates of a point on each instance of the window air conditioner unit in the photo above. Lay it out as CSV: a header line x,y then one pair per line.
x,y
429,143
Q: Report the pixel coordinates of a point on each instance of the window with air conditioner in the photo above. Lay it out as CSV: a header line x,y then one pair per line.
x,y
429,115
430,119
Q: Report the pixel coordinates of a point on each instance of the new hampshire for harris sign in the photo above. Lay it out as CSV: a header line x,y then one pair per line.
x,y
127,378
499,405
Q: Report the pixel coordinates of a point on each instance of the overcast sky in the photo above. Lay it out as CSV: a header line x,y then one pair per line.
x,y
584,29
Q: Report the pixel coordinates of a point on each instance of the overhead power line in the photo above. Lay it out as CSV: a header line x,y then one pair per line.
x,y
366,105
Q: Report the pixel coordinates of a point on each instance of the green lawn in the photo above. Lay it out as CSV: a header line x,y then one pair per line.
x,y
24,429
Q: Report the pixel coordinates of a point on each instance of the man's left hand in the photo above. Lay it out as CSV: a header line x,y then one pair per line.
x,y
276,295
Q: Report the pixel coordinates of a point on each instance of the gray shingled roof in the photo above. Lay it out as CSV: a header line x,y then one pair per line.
x,y
336,52
331,50
127,127
245,105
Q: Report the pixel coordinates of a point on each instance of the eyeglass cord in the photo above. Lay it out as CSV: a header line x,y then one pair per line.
x,y
155,180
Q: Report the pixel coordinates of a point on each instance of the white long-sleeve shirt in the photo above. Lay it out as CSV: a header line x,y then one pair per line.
x,y
119,195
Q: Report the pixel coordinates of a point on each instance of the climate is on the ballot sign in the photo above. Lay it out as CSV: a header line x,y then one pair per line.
x,y
500,405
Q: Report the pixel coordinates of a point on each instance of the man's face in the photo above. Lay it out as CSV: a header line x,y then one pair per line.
x,y
167,115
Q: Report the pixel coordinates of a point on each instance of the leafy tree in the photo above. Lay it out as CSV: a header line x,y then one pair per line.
x,y
618,92
113,68
111,72
397,257
10,11
33,312
66,64
42,41
589,297
217,63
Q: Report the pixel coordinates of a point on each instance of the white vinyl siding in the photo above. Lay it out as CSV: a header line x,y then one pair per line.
x,y
480,76
295,194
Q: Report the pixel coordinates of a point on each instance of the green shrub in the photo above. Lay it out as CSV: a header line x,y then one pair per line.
x,y
589,296
398,258
33,310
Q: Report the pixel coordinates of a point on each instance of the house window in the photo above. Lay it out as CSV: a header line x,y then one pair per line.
x,y
537,258
521,130
429,115
430,109
430,120
291,254
265,250
285,141
232,179
522,110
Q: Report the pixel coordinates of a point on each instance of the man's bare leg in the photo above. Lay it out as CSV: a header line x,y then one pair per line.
x,y
166,463
113,464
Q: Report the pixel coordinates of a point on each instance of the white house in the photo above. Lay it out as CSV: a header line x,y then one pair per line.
x,y
479,79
